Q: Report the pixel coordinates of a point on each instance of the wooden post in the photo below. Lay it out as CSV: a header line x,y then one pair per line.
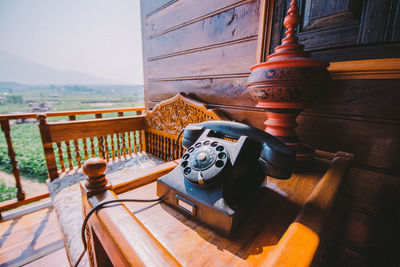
x,y
5,127
47,147
95,168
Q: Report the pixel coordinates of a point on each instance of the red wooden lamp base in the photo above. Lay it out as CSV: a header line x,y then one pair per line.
x,y
287,83
281,123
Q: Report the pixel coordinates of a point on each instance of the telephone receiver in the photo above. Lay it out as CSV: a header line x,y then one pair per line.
x,y
276,158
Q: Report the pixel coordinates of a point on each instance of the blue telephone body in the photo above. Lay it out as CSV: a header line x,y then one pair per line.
x,y
219,176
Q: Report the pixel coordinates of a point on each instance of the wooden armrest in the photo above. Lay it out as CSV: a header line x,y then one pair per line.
x,y
71,130
299,244
145,176
136,245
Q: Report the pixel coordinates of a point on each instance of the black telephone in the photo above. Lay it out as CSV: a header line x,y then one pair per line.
x,y
224,165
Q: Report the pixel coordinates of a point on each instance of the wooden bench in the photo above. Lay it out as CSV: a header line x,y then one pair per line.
x,y
130,145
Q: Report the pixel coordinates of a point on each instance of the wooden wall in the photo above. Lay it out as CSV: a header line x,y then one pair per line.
x,y
205,49
362,117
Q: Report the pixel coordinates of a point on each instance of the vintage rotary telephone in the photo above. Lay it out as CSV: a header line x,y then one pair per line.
x,y
218,177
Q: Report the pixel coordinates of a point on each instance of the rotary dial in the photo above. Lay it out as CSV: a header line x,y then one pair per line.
x,y
202,158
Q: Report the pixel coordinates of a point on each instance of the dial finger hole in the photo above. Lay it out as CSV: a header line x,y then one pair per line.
x,y
219,163
184,164
222,155
187,171
214,144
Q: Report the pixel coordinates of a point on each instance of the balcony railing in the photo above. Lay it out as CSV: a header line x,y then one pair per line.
x,y
21,197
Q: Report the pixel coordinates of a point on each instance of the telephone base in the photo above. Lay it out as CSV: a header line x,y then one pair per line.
x,y
206,206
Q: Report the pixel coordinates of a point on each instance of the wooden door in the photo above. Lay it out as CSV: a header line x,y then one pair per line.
x,y
340,30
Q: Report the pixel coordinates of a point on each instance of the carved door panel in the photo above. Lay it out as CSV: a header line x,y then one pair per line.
x,y
330,23
337,30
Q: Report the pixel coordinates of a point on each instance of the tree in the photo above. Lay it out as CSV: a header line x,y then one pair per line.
x,y
14,99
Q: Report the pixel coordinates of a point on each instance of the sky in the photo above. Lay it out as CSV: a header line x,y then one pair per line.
x,y
99,37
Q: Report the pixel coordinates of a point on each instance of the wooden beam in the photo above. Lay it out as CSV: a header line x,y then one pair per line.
x,y
386,68
15,203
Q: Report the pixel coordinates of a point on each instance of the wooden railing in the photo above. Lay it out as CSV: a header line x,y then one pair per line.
x,y
5,119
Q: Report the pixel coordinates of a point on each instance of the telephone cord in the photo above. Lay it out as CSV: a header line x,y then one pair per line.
x,y
175,145
100,206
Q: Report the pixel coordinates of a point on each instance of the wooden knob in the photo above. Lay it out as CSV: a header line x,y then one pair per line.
x,y
41,117
94,168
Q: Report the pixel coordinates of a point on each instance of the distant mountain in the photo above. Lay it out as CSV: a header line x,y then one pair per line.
x,y
17,69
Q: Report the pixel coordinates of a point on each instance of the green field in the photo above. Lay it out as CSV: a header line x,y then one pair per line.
x,y
6,192
28,149
26,137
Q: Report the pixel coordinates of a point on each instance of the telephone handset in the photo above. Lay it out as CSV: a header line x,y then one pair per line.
x,y
276,158
221,171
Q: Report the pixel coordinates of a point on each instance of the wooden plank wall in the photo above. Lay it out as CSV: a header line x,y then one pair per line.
x,y
205,49
362,117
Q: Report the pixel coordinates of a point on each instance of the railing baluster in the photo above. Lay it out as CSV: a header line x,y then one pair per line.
x,y
5,127
100,146
164,148
77,153
141,141
106,149
85,149
159,139
60,156
118,145
112,147
135,150
123,144
154,144
149,142
129,143
137,136
71,165
92,147
169,147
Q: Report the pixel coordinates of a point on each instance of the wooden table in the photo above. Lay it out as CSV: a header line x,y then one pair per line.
x,y
285,227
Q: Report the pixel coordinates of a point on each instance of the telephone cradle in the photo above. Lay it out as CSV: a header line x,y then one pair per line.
x,y
221,172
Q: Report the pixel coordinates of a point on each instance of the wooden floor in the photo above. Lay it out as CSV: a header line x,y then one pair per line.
x,y
33,239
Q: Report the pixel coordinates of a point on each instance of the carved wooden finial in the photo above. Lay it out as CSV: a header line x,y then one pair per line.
x,y
41,117
290,47
292,20
94,168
